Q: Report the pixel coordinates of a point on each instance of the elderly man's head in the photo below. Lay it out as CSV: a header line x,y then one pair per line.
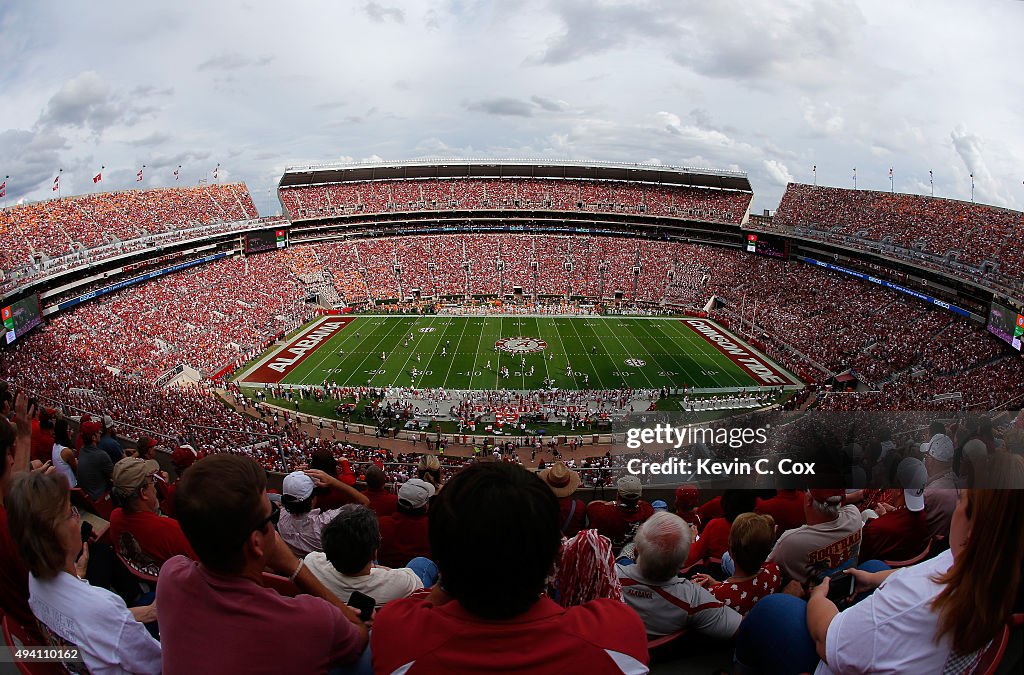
x,y
662,546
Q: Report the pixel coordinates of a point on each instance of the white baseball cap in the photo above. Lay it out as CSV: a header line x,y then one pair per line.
x,y
297,485
912,477
940,448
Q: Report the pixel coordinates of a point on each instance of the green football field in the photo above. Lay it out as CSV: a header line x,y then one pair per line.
x,y
470,352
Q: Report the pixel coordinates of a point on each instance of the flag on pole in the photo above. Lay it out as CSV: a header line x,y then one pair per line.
x,y
99,176
890,173
3,189
56,184
216,170
176,172
138,177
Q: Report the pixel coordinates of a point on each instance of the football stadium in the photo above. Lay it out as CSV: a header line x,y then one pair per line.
x,y
474,414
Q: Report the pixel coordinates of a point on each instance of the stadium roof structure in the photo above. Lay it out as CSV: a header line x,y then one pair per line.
x,y
514,168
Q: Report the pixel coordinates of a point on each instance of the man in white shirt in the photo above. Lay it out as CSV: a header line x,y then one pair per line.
x,y
350,542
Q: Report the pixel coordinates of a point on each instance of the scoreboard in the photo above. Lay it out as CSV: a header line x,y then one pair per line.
x,y
766,244
265,240
20,317
1006,321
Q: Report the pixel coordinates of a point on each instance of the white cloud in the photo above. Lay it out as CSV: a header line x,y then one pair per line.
x,y
778,172
770,88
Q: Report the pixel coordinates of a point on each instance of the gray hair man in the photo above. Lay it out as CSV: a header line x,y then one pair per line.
x,y
653,588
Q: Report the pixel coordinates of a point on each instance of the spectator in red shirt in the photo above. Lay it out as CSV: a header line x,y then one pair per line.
x,y
902,531
404,533
158,537
42,437
618,520
713,542
182,458
495,531
382,502
330,496
687,499
786,508
563,483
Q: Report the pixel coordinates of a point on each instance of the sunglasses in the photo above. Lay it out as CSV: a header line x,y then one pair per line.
x,y
275,515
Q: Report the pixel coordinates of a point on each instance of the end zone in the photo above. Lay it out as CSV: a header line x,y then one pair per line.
x,y
279,364
753,363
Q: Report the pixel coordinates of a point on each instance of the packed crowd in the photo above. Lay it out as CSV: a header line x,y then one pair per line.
x,y
471,194
918,570
490,264
60,226
915,224
206,317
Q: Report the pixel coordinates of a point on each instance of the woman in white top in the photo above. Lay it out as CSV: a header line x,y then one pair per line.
x,y
63,455
934,617
47,529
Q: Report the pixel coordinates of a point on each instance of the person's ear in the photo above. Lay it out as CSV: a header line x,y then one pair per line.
x,y
256,545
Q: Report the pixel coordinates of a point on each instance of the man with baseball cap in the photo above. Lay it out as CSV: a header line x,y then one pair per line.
x,y
619,519
95,467
108,443
828,542
563,481
302,520
404,534
158,537
942,490
902,532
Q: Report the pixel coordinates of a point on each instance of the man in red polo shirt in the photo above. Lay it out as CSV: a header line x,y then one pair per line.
x,y
495,532
786,508
404,534
618,520
159,537
901,533
382,502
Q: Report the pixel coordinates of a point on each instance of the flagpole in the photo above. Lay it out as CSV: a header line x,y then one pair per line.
x,y
892,185
972,188
814,169
62,171
5,190
931,180
854,178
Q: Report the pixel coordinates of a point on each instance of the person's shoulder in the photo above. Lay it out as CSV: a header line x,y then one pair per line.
x,y
179,567
405,612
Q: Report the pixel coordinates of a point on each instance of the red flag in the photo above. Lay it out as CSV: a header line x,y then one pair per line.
x,y
98,177
3,189
56,184
139,178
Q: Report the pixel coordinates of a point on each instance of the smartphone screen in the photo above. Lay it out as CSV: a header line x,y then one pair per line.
x,y
840,587
364,603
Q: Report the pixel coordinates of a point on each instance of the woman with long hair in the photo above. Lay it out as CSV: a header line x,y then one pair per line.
x,y
934,617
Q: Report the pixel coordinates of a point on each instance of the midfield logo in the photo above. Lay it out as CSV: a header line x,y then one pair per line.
x,y
521,345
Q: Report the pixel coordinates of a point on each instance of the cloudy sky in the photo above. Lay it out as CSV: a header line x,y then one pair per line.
x,y
766,87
